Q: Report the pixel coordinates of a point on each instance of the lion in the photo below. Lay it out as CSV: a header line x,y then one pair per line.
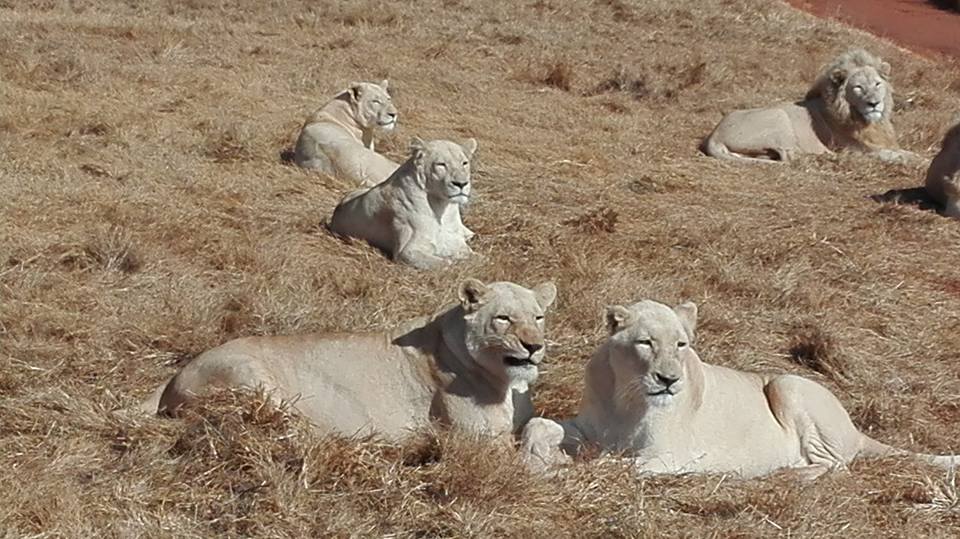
x,y
647,394
413,215
337,139
943,176
469,368
849,106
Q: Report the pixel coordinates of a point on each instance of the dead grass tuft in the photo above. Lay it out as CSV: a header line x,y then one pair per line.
x,y
228,142
558,73
816,350
595,221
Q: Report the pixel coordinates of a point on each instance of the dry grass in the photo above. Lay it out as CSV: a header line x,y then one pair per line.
x,y
145,216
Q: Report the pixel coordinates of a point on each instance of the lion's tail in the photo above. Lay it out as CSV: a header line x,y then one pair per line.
x,y
872,448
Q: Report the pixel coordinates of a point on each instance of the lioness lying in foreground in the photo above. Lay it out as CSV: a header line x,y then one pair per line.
x,y
468,367
648,394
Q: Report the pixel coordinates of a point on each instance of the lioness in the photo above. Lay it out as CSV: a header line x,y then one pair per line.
x,y
413,215
338,138
849,106
648,394
469,367
943,176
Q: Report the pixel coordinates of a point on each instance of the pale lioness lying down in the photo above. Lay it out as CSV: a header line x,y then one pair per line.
x,y
338,138
414,214
943,176
468,367
647,394
849,106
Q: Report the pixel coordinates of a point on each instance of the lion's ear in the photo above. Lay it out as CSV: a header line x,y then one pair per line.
x,y
385,83
545,294
884,70
470,146
837,76
618,317
473,294
687,313
356,90
417,147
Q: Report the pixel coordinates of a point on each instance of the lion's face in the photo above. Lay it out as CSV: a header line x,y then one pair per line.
x,y
650,351
445,168
373,105
867,92
504,328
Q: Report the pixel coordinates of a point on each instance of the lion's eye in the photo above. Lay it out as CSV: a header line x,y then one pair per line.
x,y
440,166
878,84
858,88
466,164
377,102
540,318
681,345
502,318
643,342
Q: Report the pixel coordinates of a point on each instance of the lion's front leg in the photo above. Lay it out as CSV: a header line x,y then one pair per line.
x,y
540,446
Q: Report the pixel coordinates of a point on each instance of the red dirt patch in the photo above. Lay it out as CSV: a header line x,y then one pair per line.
x,y
916,24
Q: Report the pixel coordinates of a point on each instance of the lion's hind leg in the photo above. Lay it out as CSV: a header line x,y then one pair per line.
x,y
827,439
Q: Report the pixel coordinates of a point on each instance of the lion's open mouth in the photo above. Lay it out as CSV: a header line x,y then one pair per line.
x,y
518,361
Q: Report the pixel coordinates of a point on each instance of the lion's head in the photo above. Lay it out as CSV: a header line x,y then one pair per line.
x,y
373,106
443,168
503,328
856,88
650,351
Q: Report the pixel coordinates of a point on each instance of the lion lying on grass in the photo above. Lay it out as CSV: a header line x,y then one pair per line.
x,y
943,176
338,138
414,214
468,367
648,394
849,106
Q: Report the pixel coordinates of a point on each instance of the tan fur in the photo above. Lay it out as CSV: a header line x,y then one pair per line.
x,y
849,106
414,214
337,139
943,176
469,367
648,395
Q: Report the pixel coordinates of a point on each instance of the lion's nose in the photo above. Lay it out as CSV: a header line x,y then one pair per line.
x,y
531,347
873,104
461,185
666,379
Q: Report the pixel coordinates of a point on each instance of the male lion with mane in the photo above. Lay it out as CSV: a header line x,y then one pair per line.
x,y
648,394
849,106
468,367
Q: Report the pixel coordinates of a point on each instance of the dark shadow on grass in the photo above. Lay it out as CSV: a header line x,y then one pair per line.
x,y
914,196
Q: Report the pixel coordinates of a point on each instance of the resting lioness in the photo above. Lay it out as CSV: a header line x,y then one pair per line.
x,y
413,215
943,176
647,394
469,367
338,138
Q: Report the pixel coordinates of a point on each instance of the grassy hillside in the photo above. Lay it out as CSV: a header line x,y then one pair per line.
x,y
145,216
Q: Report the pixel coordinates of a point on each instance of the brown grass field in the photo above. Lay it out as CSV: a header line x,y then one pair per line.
x,y
145,216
